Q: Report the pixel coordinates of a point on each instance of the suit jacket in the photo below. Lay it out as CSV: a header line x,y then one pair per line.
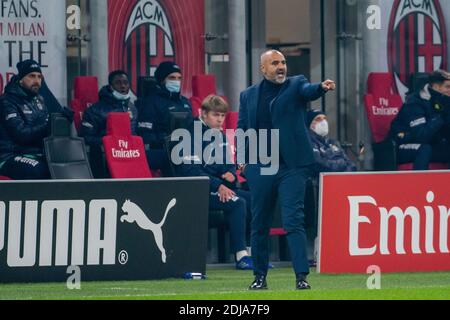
x,y
288,116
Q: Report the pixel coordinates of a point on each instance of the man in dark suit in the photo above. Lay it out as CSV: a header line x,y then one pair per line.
x,y
278,105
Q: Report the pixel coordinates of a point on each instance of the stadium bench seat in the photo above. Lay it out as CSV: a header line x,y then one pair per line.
x,y
66,155
124,153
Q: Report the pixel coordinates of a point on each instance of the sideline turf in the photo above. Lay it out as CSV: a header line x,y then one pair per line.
x,y
229,284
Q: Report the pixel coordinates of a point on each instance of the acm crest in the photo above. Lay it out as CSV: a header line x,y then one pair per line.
x,y
417,40
148,40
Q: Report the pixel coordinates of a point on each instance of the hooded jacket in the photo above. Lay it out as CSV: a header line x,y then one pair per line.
x,y
208,158
421,121
93,127
23,122
154,115
329,156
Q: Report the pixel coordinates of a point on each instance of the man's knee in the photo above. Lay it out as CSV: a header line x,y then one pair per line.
x,y
36,170
425,150
294,221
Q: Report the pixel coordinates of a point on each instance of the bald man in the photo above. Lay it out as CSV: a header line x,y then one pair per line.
x,y
278,105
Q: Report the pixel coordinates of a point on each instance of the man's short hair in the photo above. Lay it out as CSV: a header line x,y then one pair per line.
x,y
215,104
439,77
114,74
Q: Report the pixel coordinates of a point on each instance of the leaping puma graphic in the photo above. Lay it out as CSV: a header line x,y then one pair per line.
x,y
135,214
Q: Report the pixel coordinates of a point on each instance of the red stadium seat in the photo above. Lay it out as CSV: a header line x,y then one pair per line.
x,y
232,120
382,105
433,166
85,94
277,232
2,178
202,86
125,154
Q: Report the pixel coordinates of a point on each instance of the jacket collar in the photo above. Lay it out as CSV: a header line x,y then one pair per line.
x,y
425,93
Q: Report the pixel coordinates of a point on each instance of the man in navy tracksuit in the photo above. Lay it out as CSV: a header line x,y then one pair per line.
x,y
329,155
213,159
155,112
114,97
280,103
24,125
422,128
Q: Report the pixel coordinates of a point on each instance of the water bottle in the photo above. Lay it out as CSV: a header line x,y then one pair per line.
x,y
194,276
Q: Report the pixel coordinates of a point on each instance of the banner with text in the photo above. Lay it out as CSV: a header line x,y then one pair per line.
x,y
396,221
143,33
413,37
110,230
34,29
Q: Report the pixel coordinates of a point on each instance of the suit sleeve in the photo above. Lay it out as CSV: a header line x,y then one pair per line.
x,y
243,113
310,92
243,125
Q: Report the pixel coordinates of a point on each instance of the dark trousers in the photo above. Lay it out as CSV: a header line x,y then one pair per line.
x,y
26,168
158,160
235,213
424,155
289,186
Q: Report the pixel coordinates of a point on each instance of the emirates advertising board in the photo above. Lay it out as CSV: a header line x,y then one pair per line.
x,y
398,222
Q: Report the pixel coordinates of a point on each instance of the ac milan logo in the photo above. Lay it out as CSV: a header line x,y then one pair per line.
x,y
417,40
148,40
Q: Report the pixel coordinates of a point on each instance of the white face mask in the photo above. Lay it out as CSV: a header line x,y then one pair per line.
x,y
120,96
173,86
322,128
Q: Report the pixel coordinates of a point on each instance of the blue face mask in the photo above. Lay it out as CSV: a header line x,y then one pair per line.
x,y
173,86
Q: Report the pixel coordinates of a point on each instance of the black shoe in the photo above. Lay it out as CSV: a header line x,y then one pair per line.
x,y
302,284
260,283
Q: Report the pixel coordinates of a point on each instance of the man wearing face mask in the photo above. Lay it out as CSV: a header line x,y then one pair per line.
x,y
114,97
155,114
422,127
24,125
329,155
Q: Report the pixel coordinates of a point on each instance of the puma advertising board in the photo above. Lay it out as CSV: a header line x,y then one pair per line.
x,y
111,230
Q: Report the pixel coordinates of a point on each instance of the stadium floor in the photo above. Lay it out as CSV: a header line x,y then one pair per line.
x,y
225,283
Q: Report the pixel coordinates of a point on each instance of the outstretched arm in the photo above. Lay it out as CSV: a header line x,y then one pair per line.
x,y
311,92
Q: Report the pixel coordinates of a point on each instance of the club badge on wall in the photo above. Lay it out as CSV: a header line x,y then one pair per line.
x,y
417,40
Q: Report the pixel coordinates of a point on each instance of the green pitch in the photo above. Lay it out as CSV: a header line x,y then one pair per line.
x,y
230,284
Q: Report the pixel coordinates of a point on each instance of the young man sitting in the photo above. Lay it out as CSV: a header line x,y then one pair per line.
x,y
215,163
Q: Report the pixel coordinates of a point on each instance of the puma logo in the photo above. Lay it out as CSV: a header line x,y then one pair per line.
x,y
135,214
